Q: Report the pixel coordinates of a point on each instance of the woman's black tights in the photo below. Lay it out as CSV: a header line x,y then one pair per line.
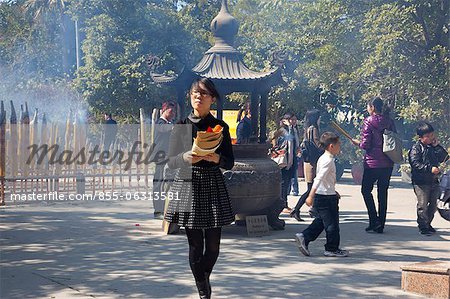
x,y
303,198
203,250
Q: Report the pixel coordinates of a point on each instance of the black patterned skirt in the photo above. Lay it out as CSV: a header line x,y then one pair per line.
x,y
199,199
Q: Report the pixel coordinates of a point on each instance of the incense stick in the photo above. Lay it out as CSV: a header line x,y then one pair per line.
x,y
342,131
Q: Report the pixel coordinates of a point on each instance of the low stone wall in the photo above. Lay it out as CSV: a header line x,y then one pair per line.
x,y
429,278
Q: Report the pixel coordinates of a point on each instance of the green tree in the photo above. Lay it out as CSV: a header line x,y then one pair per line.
x,y
119,35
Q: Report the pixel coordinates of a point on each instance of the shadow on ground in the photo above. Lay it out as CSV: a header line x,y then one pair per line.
x,y
99,251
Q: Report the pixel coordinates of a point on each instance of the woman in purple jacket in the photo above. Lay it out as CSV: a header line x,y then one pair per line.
x,y
377,166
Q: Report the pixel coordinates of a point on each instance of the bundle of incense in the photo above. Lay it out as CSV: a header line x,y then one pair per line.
x,y
2,140
143,140
24,142
339,129
155,116
207,141
2,153
13,143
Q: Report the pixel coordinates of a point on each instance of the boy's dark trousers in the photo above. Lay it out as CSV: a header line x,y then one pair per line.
x,y
328,220
427,196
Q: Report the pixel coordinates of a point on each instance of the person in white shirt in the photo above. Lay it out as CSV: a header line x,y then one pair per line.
x,y
325,200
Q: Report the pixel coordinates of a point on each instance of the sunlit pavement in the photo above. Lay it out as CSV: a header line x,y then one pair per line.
x,y
116,250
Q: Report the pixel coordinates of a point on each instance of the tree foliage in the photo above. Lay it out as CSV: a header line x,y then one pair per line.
x,y
339,53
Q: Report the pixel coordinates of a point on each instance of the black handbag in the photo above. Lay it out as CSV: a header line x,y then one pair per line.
x,y
310,151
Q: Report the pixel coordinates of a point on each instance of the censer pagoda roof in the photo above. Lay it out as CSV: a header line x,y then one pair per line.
x,y
222,61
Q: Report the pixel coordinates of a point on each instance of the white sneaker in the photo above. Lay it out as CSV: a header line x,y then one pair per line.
x,y
300,239
337,253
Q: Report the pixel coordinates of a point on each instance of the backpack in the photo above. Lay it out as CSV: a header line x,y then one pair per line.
x,y
392,146
310,151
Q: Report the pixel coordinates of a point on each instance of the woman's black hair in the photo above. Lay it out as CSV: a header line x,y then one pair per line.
x,y
380,106
312,119
208,83
287,115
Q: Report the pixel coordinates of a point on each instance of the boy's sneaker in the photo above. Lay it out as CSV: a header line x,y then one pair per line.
x,y
337,253
426,232
301,243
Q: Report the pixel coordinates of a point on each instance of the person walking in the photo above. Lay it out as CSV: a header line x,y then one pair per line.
x,y
325,199
296,132
284,138
311,134
163,128
377,166
110,131
203,206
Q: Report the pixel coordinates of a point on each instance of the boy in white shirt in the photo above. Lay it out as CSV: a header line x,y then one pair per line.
x,y
325,199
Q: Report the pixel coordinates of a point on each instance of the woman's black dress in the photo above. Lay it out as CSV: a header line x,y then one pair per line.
x,y
200,197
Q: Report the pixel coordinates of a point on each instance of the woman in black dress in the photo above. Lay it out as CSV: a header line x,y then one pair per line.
x,y
203,205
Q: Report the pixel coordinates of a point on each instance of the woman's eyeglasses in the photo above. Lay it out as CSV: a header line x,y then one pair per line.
x,y
201,93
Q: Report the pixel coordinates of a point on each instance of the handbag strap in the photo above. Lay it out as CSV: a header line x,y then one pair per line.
x,y
310,134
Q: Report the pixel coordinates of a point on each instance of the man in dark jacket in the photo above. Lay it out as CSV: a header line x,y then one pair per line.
x,y
244,129
110,131
163,129
425,157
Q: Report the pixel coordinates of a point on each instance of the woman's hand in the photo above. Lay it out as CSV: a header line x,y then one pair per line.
x,y
356,142
215,158
190,158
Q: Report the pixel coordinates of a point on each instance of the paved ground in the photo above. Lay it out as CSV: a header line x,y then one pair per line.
x,y
95,250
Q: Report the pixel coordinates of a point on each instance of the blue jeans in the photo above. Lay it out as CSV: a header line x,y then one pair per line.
x,y
294,180
327,206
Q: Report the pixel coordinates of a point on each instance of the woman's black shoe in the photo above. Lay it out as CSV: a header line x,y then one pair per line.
x,y
296,214
203,290
378,229
374,229
369,228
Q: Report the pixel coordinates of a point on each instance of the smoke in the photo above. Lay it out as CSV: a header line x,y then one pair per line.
x,y
55,98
